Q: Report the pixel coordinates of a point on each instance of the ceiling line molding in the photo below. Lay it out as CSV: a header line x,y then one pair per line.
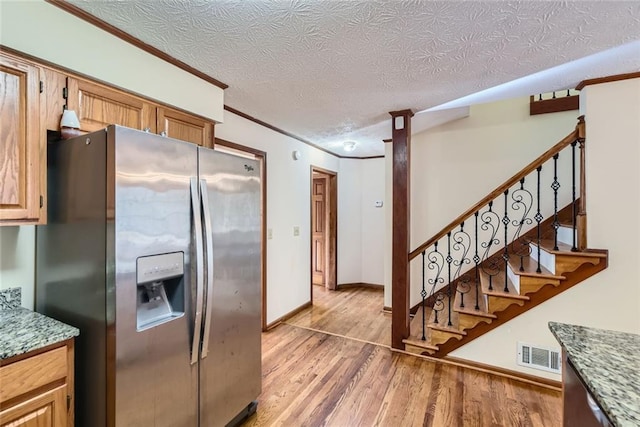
x,y
614,78
81,14
290,135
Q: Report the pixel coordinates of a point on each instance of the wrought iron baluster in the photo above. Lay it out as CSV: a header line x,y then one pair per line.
x,y
461,246
476,260
505,254
573,195
490,223
555,185
449,261
522,200
423,294
538,217
436,263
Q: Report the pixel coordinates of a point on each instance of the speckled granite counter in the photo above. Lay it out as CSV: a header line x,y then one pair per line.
x,y
23,330
609,364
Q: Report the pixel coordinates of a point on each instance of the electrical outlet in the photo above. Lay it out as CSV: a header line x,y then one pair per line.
x,y
296,231
269,233
378,203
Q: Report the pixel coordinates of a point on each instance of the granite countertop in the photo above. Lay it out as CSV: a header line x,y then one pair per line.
x,y
609,364
23,330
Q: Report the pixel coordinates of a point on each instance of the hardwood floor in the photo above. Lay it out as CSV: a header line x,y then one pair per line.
x,y
311,378
354,312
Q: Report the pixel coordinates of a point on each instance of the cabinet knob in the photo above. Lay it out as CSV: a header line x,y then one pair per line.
x,y
163,133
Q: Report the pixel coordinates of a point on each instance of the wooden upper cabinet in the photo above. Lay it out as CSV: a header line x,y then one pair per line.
x,y
20,140
98,106
185,127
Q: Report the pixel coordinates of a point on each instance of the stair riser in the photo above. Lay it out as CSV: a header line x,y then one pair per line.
x,y
569,263
468,321
497,304
533,284
440,337
547,260
515,278
565,235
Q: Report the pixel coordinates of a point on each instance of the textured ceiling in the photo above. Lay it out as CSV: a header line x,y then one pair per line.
x,y
329,70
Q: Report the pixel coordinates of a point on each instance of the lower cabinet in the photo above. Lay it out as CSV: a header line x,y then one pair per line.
x,y
38,390
44,410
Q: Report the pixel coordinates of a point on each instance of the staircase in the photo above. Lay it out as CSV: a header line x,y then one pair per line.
x,y
508,253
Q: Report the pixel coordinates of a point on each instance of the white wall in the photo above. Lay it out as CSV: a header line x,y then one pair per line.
x,y
17,266
288,206
361,224
610,299
372,220
47,32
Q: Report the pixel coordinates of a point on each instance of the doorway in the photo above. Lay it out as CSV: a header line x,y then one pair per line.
x,y
324,228
261,157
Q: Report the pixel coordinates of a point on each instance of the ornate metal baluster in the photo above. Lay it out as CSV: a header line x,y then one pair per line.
x,y
449,261
476,260
490,222
436,263
555,185
573,195
538,217
505,254
461,245
423,294
522,200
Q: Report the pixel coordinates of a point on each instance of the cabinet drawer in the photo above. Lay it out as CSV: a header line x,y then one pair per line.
x,y
28,374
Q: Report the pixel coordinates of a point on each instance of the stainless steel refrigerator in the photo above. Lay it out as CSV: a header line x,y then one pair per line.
x,y
153,250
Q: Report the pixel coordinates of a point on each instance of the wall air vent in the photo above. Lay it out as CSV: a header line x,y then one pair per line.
x,y
537,357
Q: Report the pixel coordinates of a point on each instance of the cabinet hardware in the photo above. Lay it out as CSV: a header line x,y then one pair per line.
x,y
41,86
65,92
68,402
41,201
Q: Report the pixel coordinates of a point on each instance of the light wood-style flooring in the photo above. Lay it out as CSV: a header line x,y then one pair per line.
x,y
312,378
354,312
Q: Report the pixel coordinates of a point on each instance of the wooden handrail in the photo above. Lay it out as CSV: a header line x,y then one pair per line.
x,y
567,140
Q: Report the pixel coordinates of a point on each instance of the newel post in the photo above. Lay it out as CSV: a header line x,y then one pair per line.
x,y
401,140
581,218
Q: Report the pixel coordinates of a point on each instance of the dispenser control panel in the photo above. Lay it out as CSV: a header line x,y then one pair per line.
x,y
159,267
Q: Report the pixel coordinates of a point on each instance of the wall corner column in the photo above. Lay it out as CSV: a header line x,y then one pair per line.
x,y
401,140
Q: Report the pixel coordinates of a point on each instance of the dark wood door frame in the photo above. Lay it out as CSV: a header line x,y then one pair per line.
x,y
261,156
331,276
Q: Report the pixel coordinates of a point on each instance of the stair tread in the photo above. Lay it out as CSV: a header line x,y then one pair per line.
x,y
443,319
565,249
415,328
470,301
498,287
530,267
418,342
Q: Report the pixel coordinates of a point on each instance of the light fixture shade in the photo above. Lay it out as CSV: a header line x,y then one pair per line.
x,y
349,145
70,119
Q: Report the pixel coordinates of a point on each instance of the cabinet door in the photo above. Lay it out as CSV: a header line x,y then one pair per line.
x,y
48,409
20,140
98,106
185,127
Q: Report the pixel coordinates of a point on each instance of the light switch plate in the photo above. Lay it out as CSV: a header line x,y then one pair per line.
x,y
296,231
378,203
269,233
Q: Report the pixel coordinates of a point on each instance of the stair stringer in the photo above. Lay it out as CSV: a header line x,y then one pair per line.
x,y
546,292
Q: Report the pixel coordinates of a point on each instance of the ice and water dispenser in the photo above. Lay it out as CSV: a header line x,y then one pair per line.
x,y
160,289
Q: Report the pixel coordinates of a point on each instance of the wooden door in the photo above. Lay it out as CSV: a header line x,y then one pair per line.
x,y
48,409
98,106
20,140
319,231
185,127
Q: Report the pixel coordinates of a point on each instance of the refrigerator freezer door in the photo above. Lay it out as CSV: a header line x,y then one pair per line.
x,y
230,375
155,383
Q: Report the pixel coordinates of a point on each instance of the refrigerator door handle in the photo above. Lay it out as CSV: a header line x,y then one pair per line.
x,y
208,233
199,261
